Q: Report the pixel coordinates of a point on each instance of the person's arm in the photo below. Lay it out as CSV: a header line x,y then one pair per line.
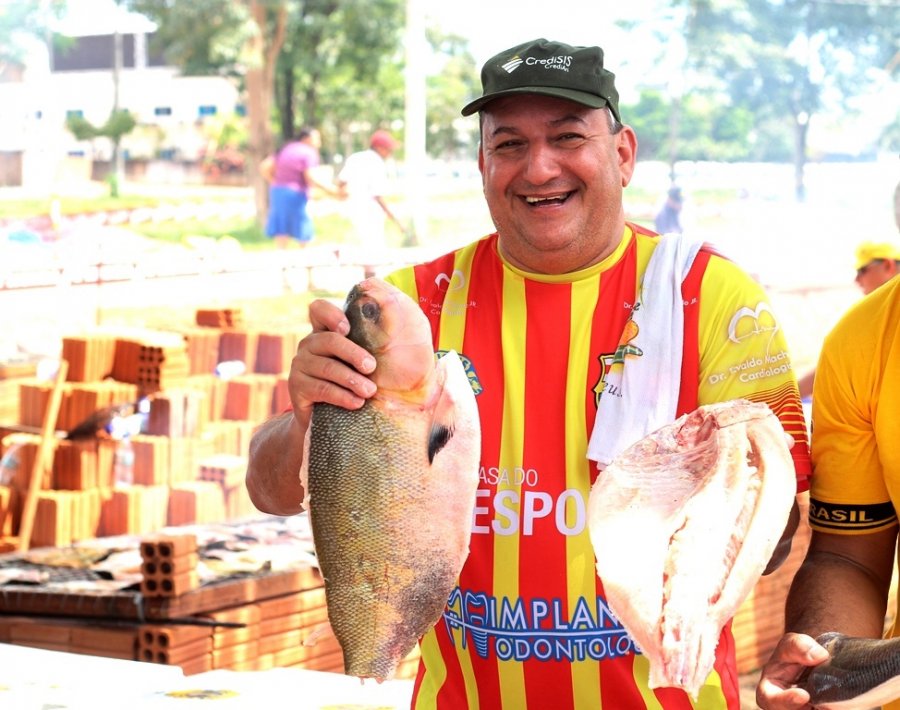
x,y
328,367
842,586
783,548
805,384
387,210
267,168
333,190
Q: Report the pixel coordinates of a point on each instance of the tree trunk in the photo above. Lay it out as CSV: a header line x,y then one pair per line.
x,y
263,51
259,139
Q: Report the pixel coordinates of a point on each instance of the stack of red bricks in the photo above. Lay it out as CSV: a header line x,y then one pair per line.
x,y
195,418
95,638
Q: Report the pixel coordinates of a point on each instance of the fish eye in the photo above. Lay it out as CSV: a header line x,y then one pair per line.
x,y
370,311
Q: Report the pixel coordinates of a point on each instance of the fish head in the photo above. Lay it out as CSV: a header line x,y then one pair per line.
x,y
391,326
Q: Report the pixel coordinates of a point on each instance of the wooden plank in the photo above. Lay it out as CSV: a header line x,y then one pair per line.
x,y
28,600
41,462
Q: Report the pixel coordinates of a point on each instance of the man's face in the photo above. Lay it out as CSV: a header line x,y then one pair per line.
x,y
874,274
553,176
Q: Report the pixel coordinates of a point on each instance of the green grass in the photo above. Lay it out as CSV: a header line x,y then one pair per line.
x,y
452,217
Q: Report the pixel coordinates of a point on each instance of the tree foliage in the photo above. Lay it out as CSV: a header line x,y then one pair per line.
x,y
341,70
201,37
453,83
340,63
119,123
21,20
238,38
709,128
787,60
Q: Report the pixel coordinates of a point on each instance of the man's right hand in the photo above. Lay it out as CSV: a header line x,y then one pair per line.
x,y
777,688
329,367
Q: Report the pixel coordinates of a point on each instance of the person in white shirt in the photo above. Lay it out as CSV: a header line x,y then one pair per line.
x,y
364,179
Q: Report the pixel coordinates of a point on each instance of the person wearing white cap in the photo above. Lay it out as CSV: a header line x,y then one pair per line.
x,y
364,179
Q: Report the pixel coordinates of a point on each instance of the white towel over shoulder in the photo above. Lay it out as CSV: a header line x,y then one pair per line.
x,y
642,395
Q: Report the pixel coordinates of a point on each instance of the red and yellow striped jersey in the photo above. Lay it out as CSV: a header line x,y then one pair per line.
x,y
528,625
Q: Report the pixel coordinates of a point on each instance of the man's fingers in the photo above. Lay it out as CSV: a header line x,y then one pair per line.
x,y
330,393
330,368
335,371
773,696
319,352
793,654
799,648
325,315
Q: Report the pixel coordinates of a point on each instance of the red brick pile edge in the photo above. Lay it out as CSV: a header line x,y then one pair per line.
x,y
195,419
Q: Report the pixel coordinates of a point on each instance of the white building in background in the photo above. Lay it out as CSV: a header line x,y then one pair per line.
x,y
176,115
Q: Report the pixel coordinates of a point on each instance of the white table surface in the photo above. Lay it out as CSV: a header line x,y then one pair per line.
x,y
37,679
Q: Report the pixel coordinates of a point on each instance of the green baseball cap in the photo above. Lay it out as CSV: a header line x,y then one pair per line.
x,y
551,69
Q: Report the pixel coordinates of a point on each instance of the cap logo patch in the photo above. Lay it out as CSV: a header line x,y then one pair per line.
x,y
560,61
512,64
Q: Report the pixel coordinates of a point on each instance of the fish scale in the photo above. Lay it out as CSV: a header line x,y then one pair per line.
x,y
365,568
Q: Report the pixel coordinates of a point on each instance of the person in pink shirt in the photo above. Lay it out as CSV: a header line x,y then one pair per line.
x,y
290,176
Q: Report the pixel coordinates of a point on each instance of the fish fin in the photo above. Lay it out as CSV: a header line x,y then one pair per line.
x,y
304,467
320,630
443,423
437,439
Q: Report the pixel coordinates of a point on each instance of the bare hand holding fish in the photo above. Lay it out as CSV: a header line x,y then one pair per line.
x,y
836,672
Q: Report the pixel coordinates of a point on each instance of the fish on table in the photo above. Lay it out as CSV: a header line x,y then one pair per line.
x,y
391,486
704,501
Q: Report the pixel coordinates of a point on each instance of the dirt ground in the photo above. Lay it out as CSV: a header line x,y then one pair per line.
x,y
748,691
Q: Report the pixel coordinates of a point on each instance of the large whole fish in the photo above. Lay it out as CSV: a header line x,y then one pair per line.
x,y
683,523
391,486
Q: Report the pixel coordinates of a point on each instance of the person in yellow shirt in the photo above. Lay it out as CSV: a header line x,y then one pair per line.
x,y
876,264
843,583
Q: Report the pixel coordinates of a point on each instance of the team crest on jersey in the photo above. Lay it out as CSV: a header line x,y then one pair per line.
x,y
469,368
614,361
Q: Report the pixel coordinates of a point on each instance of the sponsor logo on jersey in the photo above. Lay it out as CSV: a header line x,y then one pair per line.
x,y
614,361
514,629
469,367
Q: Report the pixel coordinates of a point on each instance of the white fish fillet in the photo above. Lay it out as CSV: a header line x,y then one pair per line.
x,y
683,524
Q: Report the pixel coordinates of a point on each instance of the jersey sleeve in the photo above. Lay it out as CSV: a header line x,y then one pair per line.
x,y
744,353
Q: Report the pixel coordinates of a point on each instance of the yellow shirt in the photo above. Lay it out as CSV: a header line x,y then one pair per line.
x,y
856,419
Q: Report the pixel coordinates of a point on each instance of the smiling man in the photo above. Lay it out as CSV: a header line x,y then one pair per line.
x,y
547,313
